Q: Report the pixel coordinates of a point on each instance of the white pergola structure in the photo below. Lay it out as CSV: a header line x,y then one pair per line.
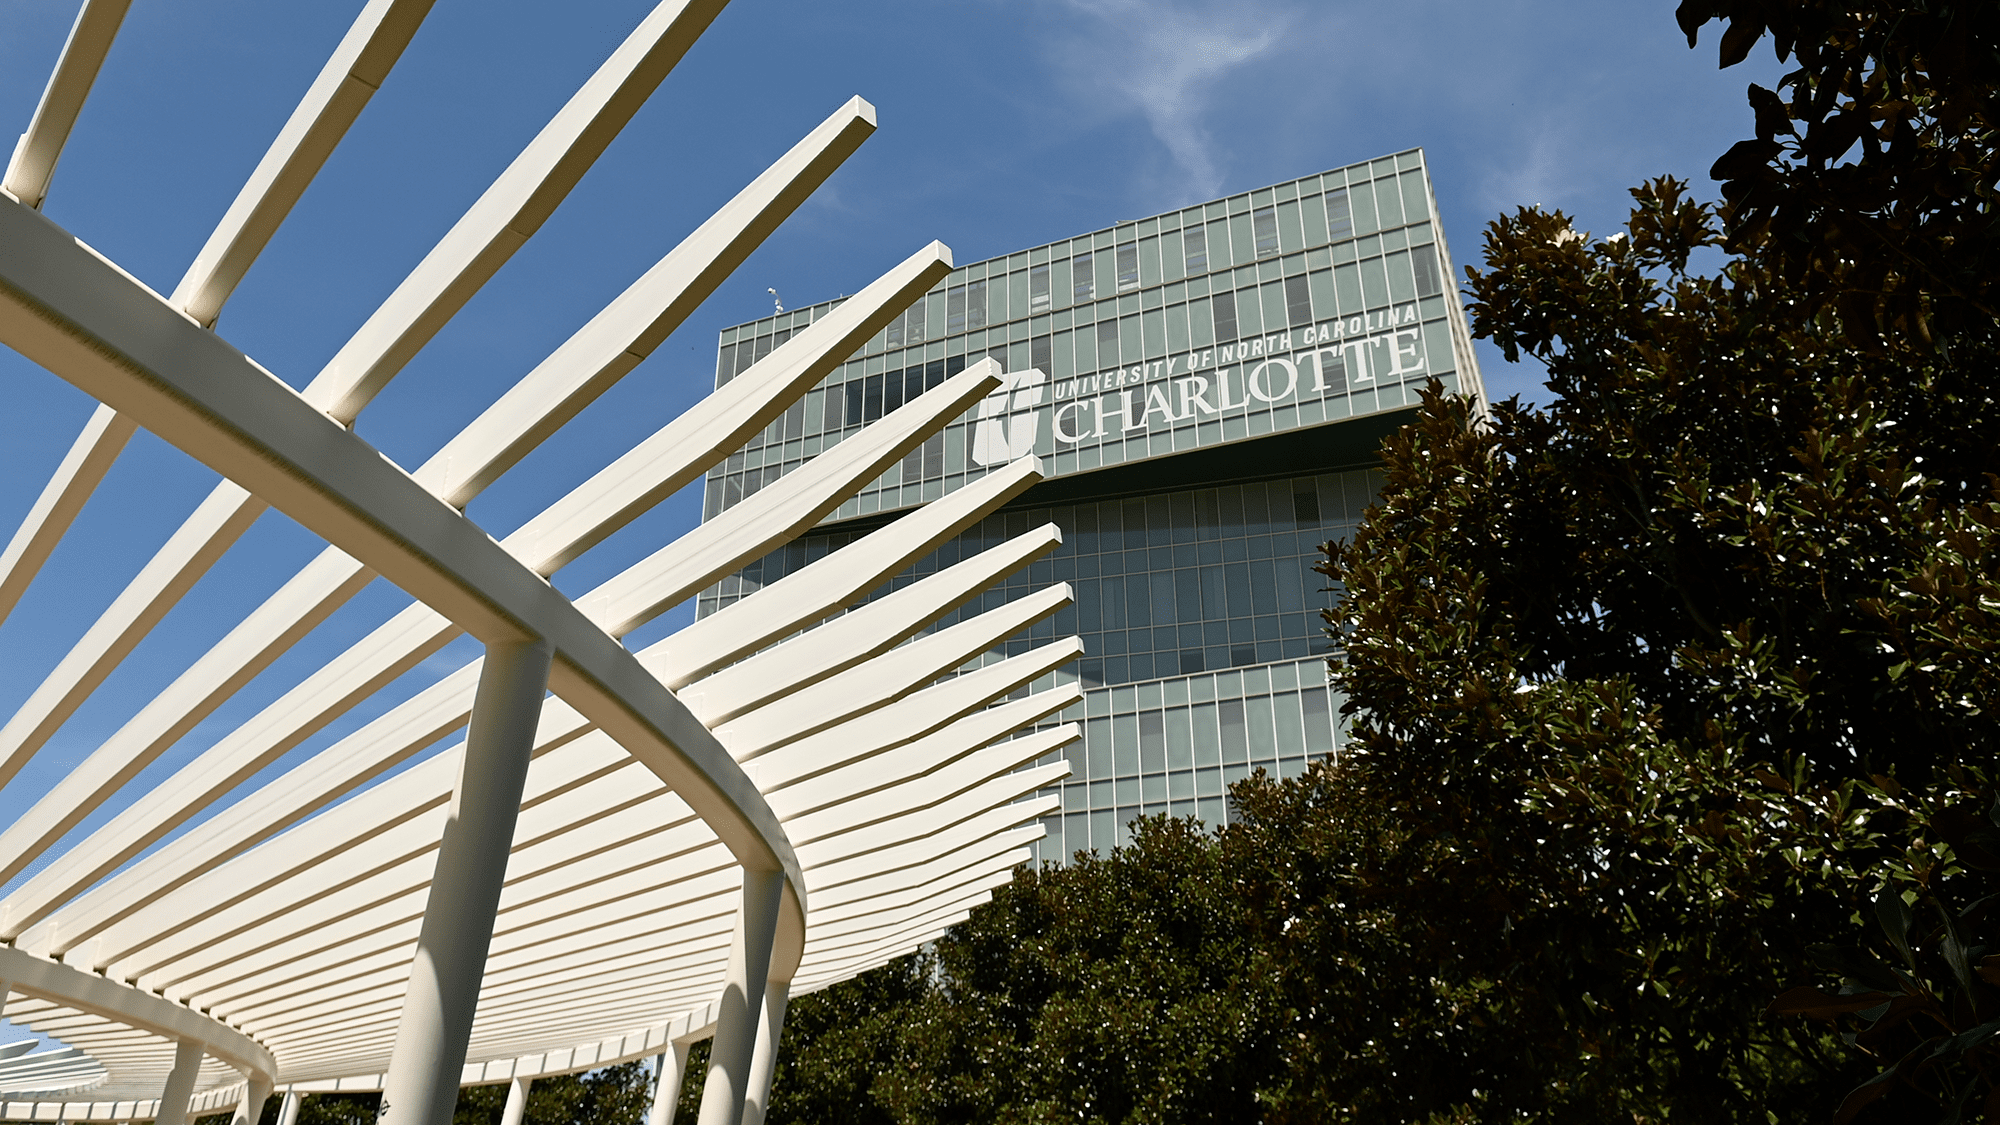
x,y
628,851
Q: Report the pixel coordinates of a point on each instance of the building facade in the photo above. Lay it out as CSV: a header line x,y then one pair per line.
x,y
1207,390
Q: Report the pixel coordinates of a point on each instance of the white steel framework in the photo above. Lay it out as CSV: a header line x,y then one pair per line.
x,y
627,851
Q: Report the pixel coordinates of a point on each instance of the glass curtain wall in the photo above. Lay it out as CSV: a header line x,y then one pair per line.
x,y
1303,304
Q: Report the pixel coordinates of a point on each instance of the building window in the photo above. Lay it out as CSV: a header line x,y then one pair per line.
x,y
1194,243
1298,302
1339,220
1107,343
975,305
1265,221
871,399
892,391
1082,270
1128,266
1038,289
954,310
1333,369
1423,260
913,324
1225,317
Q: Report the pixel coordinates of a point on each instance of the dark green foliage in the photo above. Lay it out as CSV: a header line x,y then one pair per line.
x,y
1117,990
330,1109
615,1095
833,1039
1671,790
695,1079
1659,688
1870,183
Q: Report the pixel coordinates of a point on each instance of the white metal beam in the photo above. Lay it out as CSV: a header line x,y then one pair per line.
x,y
33,163
78,316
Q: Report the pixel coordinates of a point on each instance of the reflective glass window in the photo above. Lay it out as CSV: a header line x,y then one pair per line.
x,y
1298,302
1082,277
1423,260
1152,742
892,391
1128,267
871,398
1265,221
1125,744
1339,218
1235,744
1038,289
954,310
1107,343
1194,243
975,305
1224,305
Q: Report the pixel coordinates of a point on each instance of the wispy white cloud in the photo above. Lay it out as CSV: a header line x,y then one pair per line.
x,y
1541,171
1164,58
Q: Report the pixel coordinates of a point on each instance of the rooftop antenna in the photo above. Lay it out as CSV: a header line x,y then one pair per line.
x,y
777,302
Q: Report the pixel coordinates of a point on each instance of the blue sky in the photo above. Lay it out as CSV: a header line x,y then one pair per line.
x,y
1004,123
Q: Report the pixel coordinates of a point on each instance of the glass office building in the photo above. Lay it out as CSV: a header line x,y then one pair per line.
x,y
1207,390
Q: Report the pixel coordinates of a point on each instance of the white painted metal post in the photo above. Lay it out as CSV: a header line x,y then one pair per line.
x,y
256,1091
288,1110
517,1101
764,1062
742,1001
668,1071
180,1084
422,1088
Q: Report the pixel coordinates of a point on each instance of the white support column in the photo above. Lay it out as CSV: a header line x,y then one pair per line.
x,y
742,1001
256,1091
288,1110
422,1088
764,1062
668,1072
517,1101
180,1084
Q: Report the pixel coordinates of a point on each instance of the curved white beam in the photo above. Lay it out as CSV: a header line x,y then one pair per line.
x,y
296,925
555,388
81,318
88,992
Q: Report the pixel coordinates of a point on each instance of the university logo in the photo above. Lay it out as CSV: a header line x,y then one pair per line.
x,y
1010,418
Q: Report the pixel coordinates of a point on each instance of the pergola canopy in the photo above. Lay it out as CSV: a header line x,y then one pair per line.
x,y
770,800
